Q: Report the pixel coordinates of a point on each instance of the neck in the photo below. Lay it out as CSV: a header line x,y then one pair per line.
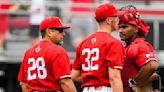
x,y
49,40
105,28
128,41
46,39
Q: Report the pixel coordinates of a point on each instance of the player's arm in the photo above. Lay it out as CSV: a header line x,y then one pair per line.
x,y
76,75
67,85
153,77
23,86
146,72
14,8
115,79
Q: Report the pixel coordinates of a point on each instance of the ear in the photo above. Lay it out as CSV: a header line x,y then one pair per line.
x,y
136,29
48,32
108,20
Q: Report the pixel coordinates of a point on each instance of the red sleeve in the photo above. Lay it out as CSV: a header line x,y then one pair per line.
x,y
21,75
77,63
61,65
115,55
145,54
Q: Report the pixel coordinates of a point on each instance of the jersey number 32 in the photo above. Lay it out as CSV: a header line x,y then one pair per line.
x,y
37,69
90,59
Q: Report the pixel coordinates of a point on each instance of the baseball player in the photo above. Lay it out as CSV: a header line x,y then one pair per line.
x,y
140,62
99,58
46,66
5,7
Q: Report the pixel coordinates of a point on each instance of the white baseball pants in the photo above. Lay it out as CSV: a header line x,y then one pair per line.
x,y
97,89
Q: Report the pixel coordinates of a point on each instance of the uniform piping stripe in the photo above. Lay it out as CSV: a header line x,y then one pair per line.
x,y
65,76
120,67
151,59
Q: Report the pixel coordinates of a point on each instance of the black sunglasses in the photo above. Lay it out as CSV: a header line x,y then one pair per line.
x,y
61,30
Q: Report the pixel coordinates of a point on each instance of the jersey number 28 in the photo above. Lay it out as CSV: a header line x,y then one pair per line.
x,y
37,65
90,59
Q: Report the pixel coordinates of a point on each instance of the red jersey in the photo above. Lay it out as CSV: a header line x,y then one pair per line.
x,y
93,57
43,65
4,17
144,54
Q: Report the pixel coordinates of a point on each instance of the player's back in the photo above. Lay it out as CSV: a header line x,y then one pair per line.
x,y
39,61
94,56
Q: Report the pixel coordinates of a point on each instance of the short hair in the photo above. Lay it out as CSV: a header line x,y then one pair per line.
x,y
43,33
100,21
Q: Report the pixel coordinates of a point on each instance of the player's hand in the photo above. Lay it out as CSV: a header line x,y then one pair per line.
x,y
132,84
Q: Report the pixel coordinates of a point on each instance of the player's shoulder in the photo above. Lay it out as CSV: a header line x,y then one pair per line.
x,y
49,47
142,43
104,37
54,47
112,40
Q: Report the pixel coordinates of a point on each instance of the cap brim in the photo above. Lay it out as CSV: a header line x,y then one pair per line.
x,y
64,27
119,13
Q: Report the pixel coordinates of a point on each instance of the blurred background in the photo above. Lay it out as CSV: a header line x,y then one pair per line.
x,y
19,17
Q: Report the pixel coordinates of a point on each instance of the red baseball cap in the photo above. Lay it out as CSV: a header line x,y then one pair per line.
x,y
106,10
52,22
132,17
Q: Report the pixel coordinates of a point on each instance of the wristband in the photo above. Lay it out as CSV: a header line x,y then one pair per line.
x,y
133,82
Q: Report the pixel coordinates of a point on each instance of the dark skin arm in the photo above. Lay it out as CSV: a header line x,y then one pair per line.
x,y
146,72
150,79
